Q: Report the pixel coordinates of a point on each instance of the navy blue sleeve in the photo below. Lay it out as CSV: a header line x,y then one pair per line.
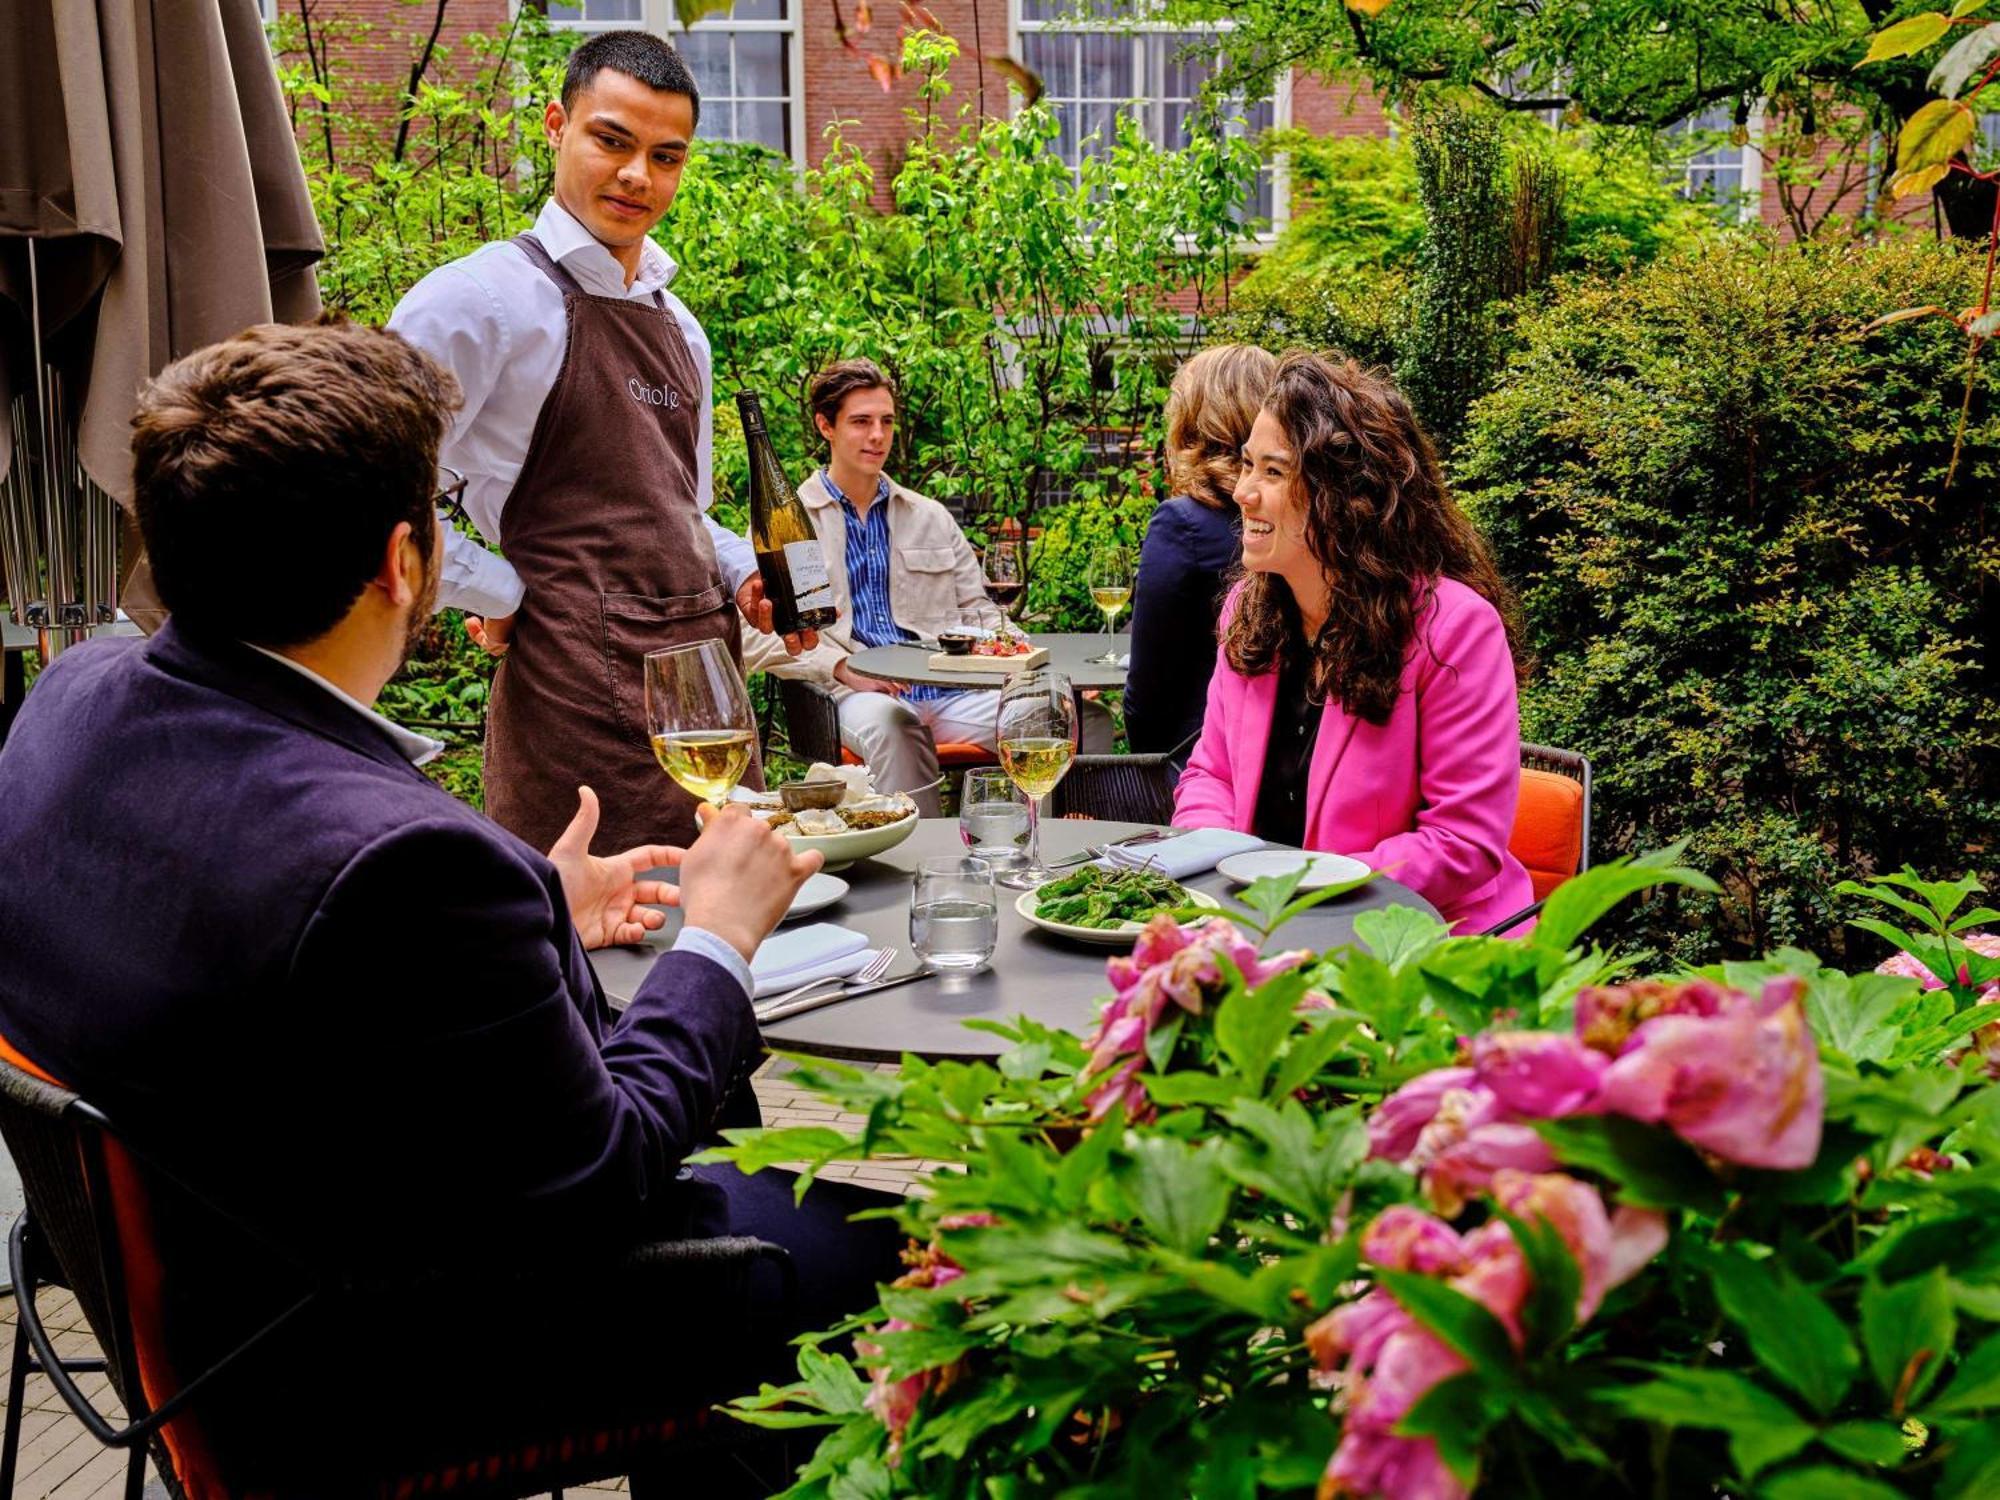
x,y
1172,635
442,962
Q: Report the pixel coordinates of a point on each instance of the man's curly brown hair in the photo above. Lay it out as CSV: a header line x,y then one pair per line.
x,y
1383,526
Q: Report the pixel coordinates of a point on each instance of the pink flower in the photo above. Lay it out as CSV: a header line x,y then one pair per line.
x,y
1399,1120
1607,1015
1408,1239
1744,1084
1465,1168
1371,1458
1169,966
1542,1075
1985,944
894,1402
1356,1331
1608,1250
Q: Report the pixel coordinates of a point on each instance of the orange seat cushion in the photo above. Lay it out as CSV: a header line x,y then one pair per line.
x,y
1548,829
951,755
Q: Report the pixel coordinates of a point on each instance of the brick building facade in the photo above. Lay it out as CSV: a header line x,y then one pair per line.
x,y
776,71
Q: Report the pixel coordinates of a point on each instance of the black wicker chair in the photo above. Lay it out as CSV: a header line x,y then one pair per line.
x,y
84,1182
812,724
1120,788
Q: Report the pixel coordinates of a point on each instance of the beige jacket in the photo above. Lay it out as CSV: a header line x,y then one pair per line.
x,y
934,583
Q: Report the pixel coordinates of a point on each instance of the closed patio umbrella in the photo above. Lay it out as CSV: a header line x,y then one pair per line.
x,y
151,202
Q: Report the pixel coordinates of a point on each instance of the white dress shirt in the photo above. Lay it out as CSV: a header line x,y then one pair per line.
x,y
417,748
497,323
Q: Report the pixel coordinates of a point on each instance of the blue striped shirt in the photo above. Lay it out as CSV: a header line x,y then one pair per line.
x,y
867,556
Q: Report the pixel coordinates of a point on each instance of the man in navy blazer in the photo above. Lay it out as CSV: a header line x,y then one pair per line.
x,y
337,1001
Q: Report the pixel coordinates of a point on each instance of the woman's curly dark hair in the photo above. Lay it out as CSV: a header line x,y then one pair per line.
x,y
1384,528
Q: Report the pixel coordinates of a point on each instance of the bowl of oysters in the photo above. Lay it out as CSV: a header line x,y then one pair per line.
x,y
857,824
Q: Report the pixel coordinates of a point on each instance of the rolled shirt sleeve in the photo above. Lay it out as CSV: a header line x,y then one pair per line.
x,y
476,579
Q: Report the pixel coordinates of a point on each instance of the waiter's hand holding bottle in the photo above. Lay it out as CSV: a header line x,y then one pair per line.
x,y
758,611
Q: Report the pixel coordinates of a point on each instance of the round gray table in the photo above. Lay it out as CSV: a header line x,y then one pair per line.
x,y
1067,653
1034,973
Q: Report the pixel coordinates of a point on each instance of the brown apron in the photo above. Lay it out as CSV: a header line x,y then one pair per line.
x,y
605,529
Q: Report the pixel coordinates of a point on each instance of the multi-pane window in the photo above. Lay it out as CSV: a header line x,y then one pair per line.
x,y
1720,170
742,60
1096,63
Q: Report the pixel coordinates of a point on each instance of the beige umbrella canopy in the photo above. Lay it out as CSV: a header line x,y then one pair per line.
x,y
151,202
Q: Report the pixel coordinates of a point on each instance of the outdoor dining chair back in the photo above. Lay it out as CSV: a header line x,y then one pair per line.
x,y
1551,835
1120,788
93,1201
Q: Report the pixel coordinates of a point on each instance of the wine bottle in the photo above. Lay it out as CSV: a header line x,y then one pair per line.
x,y
787,547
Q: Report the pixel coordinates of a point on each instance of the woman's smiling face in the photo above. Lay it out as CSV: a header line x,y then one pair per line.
x,y
1272,497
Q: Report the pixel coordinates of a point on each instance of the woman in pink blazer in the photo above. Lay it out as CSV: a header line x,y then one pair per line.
x,y
1363,700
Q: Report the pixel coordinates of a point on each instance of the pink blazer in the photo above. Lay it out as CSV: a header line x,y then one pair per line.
x,y
1427,798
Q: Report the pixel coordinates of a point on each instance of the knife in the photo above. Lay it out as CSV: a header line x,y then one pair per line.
x,y
813,1002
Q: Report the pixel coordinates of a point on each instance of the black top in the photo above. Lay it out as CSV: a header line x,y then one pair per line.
x,y
1190,549
1281,794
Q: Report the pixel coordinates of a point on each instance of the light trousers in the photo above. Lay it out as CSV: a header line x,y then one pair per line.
x,y
898,739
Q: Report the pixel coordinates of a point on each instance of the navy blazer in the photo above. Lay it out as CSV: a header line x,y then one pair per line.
x,y
1189,552
335,998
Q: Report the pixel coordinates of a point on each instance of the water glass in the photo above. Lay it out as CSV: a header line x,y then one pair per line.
x,y
993,817
954,913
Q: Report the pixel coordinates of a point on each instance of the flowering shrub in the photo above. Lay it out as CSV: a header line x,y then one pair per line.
x,y
1428,1216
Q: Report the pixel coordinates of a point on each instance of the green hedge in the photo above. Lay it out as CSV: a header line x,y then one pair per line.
x,y
1755,607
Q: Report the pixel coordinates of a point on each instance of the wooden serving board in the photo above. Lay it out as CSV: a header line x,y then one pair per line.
x,y
944,661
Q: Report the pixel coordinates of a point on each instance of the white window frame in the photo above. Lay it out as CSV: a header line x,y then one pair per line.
x,y
1749,207
1281,98
659,18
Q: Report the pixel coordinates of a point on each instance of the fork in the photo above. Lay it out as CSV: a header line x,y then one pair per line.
x,y
1098,851
874,969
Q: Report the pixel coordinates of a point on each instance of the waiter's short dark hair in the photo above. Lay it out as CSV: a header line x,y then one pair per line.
x,y
270,469
637,54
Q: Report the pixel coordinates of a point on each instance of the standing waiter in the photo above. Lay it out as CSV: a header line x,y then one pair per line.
x,y
587,446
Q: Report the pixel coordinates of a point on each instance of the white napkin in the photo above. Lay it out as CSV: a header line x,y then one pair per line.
x,y
1185,854
799,955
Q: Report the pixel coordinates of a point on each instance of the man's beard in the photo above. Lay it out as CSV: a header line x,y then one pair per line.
x,y
421,611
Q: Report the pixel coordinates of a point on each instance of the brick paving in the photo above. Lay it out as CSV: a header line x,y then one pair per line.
x,y
60,1461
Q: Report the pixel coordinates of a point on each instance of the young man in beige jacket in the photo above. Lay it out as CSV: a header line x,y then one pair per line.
x,y
900,569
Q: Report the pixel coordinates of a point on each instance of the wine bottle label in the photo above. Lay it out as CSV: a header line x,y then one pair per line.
x,y
811,587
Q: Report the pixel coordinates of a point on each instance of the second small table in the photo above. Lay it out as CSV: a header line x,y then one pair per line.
x,y
1068,654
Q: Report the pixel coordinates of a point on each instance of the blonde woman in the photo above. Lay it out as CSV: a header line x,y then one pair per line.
x,y
1192,544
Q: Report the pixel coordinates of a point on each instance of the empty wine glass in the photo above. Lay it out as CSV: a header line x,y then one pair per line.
x,y
1110,588
1036,726
698,712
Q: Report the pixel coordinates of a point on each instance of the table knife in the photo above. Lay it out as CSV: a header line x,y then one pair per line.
x,y
814,1002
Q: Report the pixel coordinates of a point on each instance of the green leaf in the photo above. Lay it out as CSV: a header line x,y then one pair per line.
x,y
1824,1482
1397,934
1908,1321
1966,8
1934,135
1878,1443
1792,1333
1464,1325
1653,1167
1456,1414
1854,1016
1906,37
1977,1301
832,1382
1180,1192
1299,1162
1763,1429
1577,903
1556,1281
1251,1024
1976,1384
1085,1162
1972,1469
1311,1050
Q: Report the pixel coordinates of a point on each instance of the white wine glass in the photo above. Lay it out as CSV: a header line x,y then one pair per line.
x,y
1110,590
698,713
1036,726
1002,565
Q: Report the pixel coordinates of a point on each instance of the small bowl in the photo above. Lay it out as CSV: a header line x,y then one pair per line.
x,y
798,796
956,642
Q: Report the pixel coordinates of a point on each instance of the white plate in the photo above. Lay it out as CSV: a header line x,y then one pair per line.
x,y
843,849
820,891
1323,869
1116,937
